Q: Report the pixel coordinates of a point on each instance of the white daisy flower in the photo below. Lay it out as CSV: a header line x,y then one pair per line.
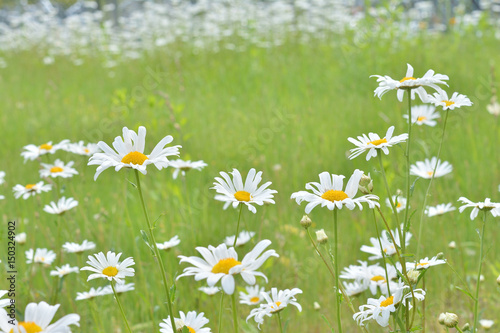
x,y
58,169
78,248
386,83
29,190
2,197
80,148
4,302
37,318
494,107
20,238
32,152
174,241
440,98
276,301
40,256
486,324
209,290
221,263
243,238
439,209
387,244
119,287
423,115
2,177
371,277
130,153
372,143
400,203
425,263
62,206
425,169
487,205
109,267
252,296
64,270
354,288
192,321
92,293
182,167
234,192
328,193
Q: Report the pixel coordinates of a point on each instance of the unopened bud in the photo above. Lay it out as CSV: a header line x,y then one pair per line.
x,y
498,280
440,255
450,320
399,192
321,236
452,245
466,327
441,318
413,275
365,184
305,222
317,306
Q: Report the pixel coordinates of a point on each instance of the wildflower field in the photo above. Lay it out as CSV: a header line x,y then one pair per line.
x,y
384,246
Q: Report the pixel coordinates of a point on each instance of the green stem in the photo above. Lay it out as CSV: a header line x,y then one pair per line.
x,y
220,310
336,264
279,322
476,302
429,186
238,226
458,329
156,252
408,145
235,314
383,254
423,306
120,306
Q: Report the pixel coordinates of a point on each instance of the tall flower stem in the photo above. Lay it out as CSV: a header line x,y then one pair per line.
x,y
476,301
279,322
383,254
336,265
429,186
235,313
156,251
238,226
220,310
121,307
408,146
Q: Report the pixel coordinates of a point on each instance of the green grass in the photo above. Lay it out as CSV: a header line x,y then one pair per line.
x,y
292,106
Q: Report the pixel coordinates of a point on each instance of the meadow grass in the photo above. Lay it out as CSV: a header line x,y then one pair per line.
x,y
287,111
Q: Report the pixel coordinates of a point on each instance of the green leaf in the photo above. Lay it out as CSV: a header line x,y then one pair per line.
x,y
145,238
412,187
133,184
326,320
185,329
466,293
173,289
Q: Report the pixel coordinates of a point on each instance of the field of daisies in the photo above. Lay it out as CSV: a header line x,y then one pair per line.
x,y
348,183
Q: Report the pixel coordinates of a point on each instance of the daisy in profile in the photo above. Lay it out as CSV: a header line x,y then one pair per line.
x,y
92,293
426,168
387,244
209,290
398,201
354,288
174,241
32,152
329,193
109,267
20,238
37,318
2,177
29,190
423,115
439,209
182,167
64,270
408,82
78,248
58,169
61,207
80,148
40,256
130,153
486,205
192,321
486,323
221,263
234,192
243,238
372,143
440,98
274,302
252,296
119,287
425,263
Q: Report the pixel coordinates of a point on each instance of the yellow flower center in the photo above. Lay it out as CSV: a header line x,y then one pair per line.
x,y
406,78
377,278
448,103
224,265
134,158
378,142
333,195
110,271
389,248
421,118
190,329
387,302
29,327
254,299
278,304
56,169
399,205
86,150
242,196
30,186
45,146
422,264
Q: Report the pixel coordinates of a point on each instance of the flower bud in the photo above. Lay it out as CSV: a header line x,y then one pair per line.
x,y
365,184
413,275
450,320
317,307
305,222
498,280
440,255
321,236
452,245
466,327
441,318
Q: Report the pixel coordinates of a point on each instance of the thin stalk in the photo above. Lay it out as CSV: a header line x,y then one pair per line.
x,y
96,318
156,251
383,254
336,265
235,314
279,322
220,310
423,306
238,226
121,307
408,145
458,329
476,301
429,186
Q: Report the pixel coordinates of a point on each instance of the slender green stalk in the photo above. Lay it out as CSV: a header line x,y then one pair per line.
x,y
336,265
96,318
238,226
423,306
235,313
121,307
220,310
279,322
408,145
383,254
476,301
156,251
458,329
429,186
